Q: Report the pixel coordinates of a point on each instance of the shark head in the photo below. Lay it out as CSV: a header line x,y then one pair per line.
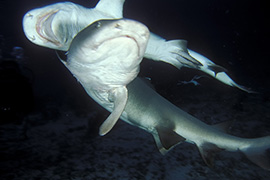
x,y
52,26
110,39
108,50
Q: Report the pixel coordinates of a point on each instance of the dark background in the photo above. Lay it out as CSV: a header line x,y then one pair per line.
x,y
234,34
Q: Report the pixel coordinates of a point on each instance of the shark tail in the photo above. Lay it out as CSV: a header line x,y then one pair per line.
x,y
256,150
259,152
243,88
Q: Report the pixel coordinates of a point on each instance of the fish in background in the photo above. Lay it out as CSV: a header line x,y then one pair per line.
x,y
54,26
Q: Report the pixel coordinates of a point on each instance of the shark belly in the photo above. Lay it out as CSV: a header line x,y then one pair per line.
x,y
170,126
105,57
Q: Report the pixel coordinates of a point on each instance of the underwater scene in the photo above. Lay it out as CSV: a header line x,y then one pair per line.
x,y
134,90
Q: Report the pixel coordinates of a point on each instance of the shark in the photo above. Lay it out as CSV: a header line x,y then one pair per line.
x,y
170,126
105,57
54,26
218,72
147,110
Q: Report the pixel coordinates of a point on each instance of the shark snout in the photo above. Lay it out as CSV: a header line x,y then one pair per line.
x,y
38,27
134,30
45,29
134,27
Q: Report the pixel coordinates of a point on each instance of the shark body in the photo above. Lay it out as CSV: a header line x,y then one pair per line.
x,y
146,109
170,126
105,57
54,26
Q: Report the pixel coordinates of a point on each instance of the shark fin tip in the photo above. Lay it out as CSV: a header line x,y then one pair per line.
x,y
119,96
243,88
208,151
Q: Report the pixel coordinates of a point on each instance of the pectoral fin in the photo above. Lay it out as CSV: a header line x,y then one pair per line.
x,y
119,97
182,54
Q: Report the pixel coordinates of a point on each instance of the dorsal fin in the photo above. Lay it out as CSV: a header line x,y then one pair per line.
x,y
168,138
113,8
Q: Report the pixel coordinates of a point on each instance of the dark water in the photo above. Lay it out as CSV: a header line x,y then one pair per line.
x,y
234,34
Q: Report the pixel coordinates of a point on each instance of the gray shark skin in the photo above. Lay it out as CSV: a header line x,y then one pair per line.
x,y
54,26
170,126
145,108
106,56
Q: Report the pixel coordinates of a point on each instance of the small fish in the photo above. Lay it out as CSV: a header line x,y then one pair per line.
x,y
192,81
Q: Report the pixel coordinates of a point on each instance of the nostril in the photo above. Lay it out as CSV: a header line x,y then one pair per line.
x,y
33,38
118,26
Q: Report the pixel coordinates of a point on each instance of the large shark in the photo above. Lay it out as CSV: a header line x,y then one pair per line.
x,y
171,126
54,26
168,124
105,57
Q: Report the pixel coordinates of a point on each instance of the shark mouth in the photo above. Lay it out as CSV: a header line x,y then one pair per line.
x,y
44,27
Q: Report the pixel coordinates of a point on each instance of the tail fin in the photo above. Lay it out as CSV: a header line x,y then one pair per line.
x,y
259,152
248,90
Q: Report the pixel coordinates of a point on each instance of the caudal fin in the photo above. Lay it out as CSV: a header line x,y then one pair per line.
x,y
259,152
248,90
